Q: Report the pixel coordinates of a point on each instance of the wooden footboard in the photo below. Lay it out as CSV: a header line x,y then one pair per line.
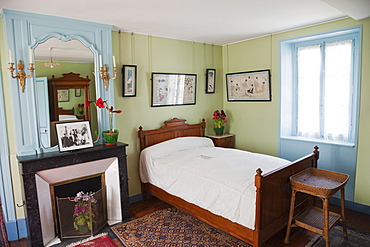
x,y
273,196
272,189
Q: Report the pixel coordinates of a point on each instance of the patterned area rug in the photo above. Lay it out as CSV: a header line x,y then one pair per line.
x,y
356,238
101,240
172,227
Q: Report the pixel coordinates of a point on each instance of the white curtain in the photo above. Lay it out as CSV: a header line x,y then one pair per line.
x,y
324,90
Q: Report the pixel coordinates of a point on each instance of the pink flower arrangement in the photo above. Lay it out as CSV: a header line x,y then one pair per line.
x,y
219,119
84,210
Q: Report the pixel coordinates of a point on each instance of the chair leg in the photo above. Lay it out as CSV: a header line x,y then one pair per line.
x,y
342,200
326,221
291,213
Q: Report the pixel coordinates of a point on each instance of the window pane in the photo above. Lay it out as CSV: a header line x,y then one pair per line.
x,y
338,62
309,63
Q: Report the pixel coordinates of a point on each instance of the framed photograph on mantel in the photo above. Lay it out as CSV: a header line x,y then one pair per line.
x,y
129,80
248,86
210,80
173,89
74,135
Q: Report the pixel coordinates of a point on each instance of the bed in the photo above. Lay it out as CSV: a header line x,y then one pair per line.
x,y
271,189
66,114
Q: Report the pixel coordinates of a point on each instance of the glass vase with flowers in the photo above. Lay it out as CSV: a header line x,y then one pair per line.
x,y
111,135
219,121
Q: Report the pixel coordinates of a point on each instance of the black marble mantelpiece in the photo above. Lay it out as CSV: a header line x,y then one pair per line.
x,y
33,163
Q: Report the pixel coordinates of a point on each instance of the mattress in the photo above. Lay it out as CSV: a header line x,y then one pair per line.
x,y
220,180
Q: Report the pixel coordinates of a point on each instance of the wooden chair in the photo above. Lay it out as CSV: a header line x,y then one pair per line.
x,y
323,184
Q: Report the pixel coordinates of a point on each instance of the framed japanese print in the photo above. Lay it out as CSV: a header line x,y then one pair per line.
x,y
210,80
248,86
74,135
78,92
129,80
63,95
173,89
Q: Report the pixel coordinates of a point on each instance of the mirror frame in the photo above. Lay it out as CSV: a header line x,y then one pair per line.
x,y
24,31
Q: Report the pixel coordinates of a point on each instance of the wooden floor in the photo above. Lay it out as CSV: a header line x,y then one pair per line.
x,y
299,237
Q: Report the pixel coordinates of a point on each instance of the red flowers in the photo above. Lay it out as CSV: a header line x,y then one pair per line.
x,y
104,104
100,103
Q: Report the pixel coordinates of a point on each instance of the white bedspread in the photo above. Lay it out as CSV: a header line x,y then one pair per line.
x,y
220,180
67,117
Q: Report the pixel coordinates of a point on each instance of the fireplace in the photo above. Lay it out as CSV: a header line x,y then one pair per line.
x,y
39,171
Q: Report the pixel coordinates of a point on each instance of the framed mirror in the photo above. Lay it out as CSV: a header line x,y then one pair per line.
x,y
64,82
25,31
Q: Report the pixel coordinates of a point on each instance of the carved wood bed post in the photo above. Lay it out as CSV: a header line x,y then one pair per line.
x,y
203,127
141,136
257,223
316,152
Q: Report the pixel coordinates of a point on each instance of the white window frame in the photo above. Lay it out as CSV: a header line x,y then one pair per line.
x,y
288,82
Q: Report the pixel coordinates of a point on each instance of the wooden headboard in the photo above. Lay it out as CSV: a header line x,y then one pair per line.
x,y
62,111
172,129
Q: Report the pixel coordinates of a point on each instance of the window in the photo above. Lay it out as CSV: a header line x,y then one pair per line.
x,y
320,86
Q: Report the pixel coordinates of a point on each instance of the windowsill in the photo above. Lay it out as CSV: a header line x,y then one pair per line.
x,y
339,143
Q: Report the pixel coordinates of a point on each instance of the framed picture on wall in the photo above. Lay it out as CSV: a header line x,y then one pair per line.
x,y
248,86
74,135
210,80
63,95
129,80
78,92
173,89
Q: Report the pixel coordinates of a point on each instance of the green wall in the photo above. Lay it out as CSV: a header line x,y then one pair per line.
x,y
154,54
256,124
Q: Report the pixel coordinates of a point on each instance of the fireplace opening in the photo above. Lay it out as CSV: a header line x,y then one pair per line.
x,y
72,188
79,206
68,181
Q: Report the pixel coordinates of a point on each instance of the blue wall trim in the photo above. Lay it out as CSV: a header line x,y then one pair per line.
x,y
352,205
16,229
11,230
22,228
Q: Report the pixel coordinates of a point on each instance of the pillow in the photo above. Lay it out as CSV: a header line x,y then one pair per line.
x,y
67,117
165,148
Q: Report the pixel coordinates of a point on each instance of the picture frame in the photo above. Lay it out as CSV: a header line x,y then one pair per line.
x,y
210,81
129,80
63,95
249,86
78,92
169,89
74,135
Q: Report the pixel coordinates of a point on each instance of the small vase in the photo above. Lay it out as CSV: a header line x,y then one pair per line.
x,y
219,131
82,229
110,138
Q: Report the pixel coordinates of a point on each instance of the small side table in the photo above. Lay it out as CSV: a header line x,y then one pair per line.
x,y
323,184
225,141
81,117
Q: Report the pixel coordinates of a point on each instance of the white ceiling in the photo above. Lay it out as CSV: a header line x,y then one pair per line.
x,y
216,22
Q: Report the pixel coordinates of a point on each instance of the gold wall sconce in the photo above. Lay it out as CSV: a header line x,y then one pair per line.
x,y
104,72
21,75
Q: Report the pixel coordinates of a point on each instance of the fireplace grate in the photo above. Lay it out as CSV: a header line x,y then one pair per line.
x,y
95,213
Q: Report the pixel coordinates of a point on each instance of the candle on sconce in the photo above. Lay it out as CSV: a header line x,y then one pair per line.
x,y
100,61
114,62
10,56
31,55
